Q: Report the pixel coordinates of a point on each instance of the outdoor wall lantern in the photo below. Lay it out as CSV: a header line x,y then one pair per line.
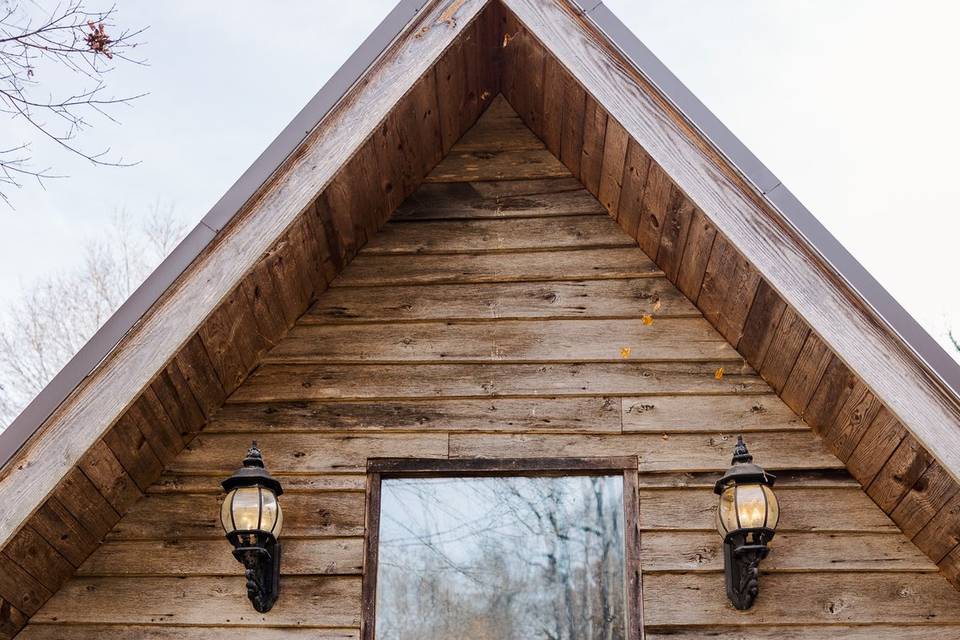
x,y
746,518
252,519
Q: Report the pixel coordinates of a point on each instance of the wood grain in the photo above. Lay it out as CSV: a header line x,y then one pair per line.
x,y
477,236
695,551
328,601
535,266
665,339
627,298
586,415
343,382
805,599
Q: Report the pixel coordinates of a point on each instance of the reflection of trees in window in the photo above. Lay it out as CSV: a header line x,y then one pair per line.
x,y
501,559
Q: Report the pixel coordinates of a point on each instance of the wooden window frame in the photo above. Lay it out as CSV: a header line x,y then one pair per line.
x,y
379,469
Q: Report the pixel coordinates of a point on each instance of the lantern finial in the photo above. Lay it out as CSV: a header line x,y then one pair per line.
x,y
254,457
740,453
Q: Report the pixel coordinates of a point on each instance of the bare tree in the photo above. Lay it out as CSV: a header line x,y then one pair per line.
x,y
36,47
53,317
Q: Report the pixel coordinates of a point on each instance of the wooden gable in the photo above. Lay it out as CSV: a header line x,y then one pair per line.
x,y
502,313
498,294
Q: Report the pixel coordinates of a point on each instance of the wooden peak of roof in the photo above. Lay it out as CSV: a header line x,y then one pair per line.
x,y
148,384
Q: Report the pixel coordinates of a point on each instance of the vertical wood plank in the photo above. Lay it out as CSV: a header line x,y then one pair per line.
x,y
657,203
632,559
78,495
900,472
928,495
109,477
611,174
635,169
371,550
148,414
857,413
172,387
673,239
32,553
939,536
63,531
784,349
761,324
228,337
200,375
133,452
696,252
809,369
571,134
451,93
876,446
12,620
717,277
836,385
21,589
591,159
552,104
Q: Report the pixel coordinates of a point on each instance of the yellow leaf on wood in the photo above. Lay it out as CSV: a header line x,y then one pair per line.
x,y
647,319
719,374
625,352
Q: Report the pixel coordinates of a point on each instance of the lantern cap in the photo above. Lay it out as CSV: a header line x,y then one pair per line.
x,y
253,474
744,470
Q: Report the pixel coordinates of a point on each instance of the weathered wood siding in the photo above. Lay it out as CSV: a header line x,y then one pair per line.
x,y
503,318
653,180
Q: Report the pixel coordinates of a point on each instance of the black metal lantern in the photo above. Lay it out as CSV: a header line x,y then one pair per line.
x,y
252,519
747,519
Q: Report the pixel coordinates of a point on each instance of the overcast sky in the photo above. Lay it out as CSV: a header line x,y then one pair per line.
x,y
852,104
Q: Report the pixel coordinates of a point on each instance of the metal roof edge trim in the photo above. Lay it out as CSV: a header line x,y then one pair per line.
x,y
938,363
108,336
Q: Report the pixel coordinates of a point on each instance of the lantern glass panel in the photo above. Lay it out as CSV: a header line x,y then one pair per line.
x,y
272,516
773,508
245,508
727,511
751,506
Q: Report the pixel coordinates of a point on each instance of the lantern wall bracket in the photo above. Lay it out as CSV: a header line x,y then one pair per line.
x,y
262,567
741,563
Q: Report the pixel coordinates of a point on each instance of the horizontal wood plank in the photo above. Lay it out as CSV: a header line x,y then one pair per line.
x,y
174,483
345,382
298,453
802,508
589,415
667,339
468,201
301,556
470,166
676,452
40,631
317,601
632,298
497,235
529,266
803,599
683,551
664,414
178,517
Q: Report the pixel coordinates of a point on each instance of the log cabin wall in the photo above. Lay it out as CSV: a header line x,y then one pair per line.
x,y
123,464
899,474
502,313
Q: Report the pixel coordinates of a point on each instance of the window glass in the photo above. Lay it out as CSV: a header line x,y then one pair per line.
x,y
506,558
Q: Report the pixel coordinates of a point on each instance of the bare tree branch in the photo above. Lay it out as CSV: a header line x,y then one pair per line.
x,y
35,44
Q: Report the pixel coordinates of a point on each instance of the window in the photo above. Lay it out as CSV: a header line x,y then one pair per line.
x,y
505,555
